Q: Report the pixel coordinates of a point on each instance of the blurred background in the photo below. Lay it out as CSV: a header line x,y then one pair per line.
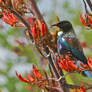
x,y
16,58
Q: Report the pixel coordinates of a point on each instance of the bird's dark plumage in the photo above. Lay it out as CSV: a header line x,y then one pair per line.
x,y
68,44
64,25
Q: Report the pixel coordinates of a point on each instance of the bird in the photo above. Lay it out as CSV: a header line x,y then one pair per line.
x,y
68,44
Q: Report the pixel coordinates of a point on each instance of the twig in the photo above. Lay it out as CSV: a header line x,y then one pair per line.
x,y
57,89
90,4
61,78
23,21
61,82
33,7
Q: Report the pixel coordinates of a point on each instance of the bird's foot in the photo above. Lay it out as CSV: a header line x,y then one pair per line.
x,y
47,55
60,78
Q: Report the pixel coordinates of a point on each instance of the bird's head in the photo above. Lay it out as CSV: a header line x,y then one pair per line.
x,y
65,26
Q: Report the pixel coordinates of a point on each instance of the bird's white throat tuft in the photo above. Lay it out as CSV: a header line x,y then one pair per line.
x,y
60,33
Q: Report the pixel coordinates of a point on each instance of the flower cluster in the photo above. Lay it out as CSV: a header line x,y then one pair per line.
x,y
37,79
30,79
18,6
34,79
82,89
44,82
41,37
86,21
8,18
87,67
37,31
69,66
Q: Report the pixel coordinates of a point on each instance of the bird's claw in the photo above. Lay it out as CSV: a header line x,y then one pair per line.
x,y
47,55
60,78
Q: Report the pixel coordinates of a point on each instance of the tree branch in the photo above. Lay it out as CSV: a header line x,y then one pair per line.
x,y
36,12
35,9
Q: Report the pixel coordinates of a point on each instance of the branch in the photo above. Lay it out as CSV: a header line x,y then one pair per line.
x,y
36,12
53,88
90,4
23,21
33,7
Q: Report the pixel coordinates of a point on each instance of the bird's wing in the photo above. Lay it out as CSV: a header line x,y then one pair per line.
x,y
73,42
73,45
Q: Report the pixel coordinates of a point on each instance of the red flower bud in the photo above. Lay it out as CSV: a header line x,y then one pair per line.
x,y
36,72
90,63
82,20
42,29
35,31
75,90
89,20
31,79
82,88
21,78
9,18
83,44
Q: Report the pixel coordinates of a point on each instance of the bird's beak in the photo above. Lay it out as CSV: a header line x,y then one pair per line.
x,y
54,25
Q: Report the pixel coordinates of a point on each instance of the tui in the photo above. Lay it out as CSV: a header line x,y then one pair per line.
x,y
68,44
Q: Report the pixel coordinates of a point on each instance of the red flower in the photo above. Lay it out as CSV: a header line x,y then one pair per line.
x,y
9,18
89,20
82,88
90,63
35,31
75,90
21,78
83,45
36,72
67,65
84,66
31,79
43,29
30,20
82,20
86,21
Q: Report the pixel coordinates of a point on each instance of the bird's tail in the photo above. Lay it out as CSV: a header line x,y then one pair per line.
x,y
88,74
85,73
